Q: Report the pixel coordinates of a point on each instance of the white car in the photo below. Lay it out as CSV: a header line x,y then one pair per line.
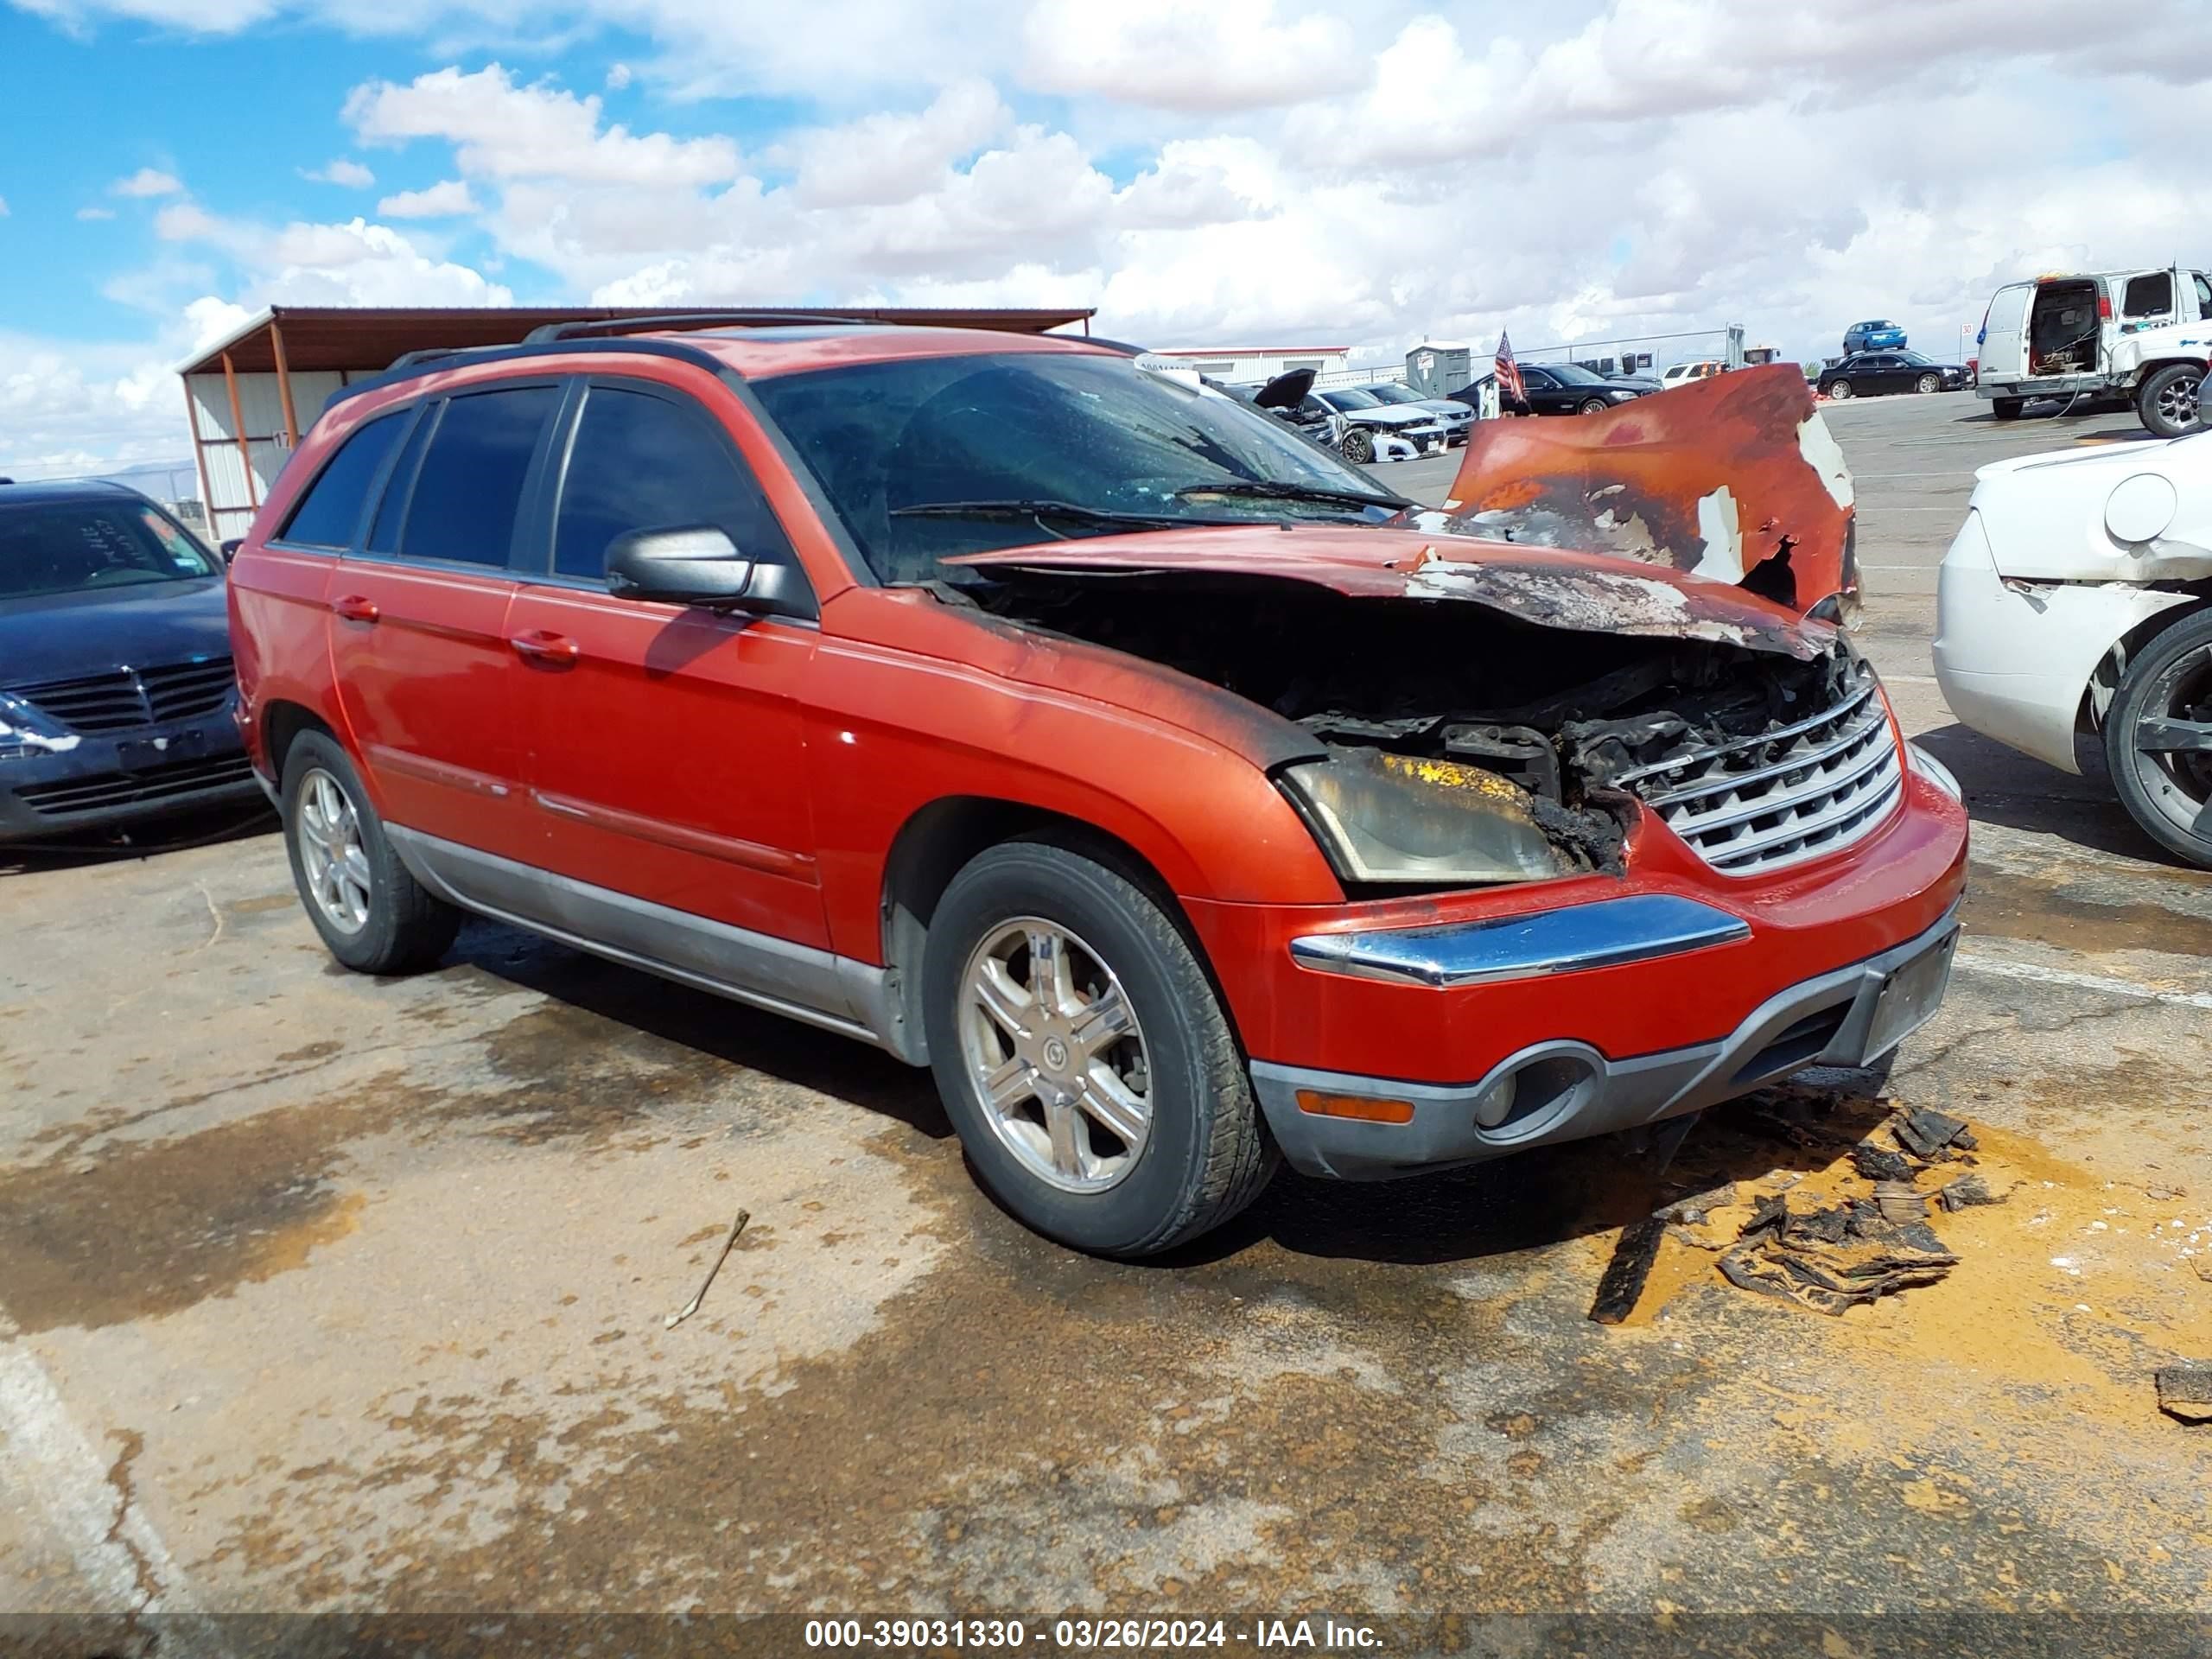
x,y
2077,597
1681,374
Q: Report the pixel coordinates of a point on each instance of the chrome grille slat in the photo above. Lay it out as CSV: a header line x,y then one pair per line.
x,y
1794,793
123,698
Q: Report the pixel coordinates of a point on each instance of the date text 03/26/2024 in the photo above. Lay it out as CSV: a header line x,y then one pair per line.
x,y
1090,1635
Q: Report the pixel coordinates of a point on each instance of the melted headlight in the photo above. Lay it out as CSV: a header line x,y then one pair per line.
x,y
1396,818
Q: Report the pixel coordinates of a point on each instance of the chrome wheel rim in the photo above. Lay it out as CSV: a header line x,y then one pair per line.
x,y
1056,1056
1928,383
1840,390
2173,743
2180,401
327,830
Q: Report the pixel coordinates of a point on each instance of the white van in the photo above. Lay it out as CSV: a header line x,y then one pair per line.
x,y
2142,335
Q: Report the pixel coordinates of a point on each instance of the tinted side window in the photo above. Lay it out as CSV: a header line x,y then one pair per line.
x,y
2203,298
330,513
641,462
469,489
2149,296
383,534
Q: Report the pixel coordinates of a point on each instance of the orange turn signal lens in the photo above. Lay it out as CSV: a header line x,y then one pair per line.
x,y
1359,1106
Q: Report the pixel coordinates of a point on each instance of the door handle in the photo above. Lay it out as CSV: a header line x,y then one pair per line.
x,y
355,608
547,649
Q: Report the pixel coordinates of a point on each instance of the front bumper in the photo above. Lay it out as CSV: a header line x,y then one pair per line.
x,y
125,777
1565,1089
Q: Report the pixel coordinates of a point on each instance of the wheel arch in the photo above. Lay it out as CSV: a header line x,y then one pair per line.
x,y
2112,668
283,724
937,841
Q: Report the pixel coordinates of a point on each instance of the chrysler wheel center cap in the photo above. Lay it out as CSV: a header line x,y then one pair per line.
x,y
1056,1054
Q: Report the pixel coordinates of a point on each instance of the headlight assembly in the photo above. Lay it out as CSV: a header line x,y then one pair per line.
x,y
1396,817
24,730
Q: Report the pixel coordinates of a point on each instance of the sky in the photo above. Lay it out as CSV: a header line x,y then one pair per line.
x,y
1238,172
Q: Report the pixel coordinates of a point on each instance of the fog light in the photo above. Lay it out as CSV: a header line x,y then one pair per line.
x,y
1363,1108
1495,1104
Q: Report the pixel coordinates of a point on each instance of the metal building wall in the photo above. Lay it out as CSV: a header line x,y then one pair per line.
x,y
232,499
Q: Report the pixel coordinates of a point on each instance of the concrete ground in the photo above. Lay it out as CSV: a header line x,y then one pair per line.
x,y
322,1294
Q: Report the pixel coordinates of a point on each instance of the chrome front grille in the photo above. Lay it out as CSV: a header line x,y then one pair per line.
x,y
1759,804
123,698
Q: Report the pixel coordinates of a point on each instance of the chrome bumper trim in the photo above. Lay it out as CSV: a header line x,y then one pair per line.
x,y
1572,940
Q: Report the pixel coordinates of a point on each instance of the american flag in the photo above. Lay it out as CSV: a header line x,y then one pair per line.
x,y
1508,373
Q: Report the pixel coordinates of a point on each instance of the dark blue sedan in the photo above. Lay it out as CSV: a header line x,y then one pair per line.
x,y
116,691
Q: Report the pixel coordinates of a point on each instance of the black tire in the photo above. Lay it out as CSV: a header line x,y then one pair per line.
x,y
1593,406
1358,446
405,927
1207,1152
1928,383
2007,409
2167,402
2166,790
1837,391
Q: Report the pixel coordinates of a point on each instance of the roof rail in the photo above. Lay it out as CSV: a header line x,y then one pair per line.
x,y
588,327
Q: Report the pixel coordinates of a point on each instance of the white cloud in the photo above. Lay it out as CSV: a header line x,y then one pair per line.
x,y
147,181
445,200
892,158
1174,54
89,214
342,171
3,207
618,76
501,130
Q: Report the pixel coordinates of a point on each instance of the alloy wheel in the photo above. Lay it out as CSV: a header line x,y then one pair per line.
x,y
2181,401
328,831
2173,742
1930,383
1055,1054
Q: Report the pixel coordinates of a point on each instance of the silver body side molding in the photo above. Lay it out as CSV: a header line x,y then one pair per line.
x,y
837,993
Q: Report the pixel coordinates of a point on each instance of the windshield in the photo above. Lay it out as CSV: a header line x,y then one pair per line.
x,y
1573,374
1393,394
1351,397
928,458
1915,357
66,547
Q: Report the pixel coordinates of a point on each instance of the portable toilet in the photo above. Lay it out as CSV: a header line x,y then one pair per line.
x,y
1437,368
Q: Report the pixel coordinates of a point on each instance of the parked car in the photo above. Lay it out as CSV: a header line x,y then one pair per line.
x,y
1289,398
116,688
1643,385
1570,389
1371,420
1456,417
1062,727
2140,336
1872,337
2072,602
1701,369
1871,374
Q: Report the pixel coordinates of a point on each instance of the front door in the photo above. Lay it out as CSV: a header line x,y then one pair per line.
x,y
667,754
418,637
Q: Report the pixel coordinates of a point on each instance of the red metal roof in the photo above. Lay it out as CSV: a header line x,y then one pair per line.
x,y
1251,351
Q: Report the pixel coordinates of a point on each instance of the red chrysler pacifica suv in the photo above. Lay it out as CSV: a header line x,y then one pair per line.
x,y
1085,735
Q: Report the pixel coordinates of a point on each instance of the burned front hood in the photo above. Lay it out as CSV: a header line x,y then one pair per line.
x,y
1549,588
1735,478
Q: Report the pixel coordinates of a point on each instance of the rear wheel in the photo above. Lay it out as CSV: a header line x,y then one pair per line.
x,y
2007,409
1083,1057
1837,391
2158,740
1928,383
1358,446
373,914
2169,402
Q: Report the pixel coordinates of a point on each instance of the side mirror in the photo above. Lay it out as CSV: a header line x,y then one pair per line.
x,y
231,548
698,564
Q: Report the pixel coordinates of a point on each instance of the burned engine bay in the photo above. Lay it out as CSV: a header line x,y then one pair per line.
x,y
1574,721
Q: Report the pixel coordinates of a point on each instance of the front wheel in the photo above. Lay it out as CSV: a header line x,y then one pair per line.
x,y
1593,406
2007,409
1084,1055
1928,383
1838,390
373,915
1358,446
2158,740
2169,403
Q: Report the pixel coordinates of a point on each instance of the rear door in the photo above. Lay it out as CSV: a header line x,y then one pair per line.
x,y
2148,299
2004,333
666,753
418,617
